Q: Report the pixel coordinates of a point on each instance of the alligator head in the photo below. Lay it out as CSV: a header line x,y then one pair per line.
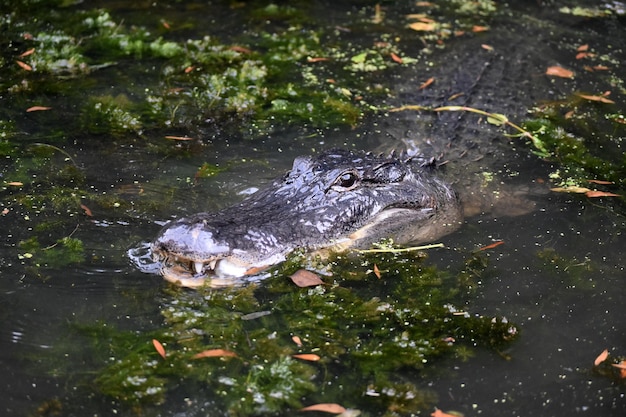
x,y
336,200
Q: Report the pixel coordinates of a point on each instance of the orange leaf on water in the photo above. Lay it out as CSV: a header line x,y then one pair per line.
x,y
159,347
426,83
558,71
297,340
601,357
583,48
601,99
493,245
24,66
87,210
325,408
477,28
423,27
303,278
29,52
439,413
14,183
376,271
595,193
396,58
317,59
311,357
37,108
214,353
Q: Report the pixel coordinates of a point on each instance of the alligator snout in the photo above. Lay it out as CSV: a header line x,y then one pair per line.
x,y
190,251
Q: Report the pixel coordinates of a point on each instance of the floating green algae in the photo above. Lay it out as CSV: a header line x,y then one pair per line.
x,y
366,332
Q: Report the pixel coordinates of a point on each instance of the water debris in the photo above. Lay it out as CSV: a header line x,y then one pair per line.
x,y
181,138
311,357
601,357
159,348
215,353
325,408
303,278
558,71
493,245
297,340
37,108
24,65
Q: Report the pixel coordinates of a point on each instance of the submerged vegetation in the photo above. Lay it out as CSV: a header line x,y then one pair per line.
x,y
258,350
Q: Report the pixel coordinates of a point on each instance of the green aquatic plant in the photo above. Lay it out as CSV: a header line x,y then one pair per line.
x,y
272,348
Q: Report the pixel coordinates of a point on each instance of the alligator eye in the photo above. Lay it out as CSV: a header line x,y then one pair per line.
x,y
347,181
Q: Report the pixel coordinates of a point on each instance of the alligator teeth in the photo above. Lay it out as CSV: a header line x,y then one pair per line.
x,y
198,267
213,264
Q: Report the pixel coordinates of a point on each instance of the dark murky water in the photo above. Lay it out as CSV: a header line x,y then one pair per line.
x,y
568,310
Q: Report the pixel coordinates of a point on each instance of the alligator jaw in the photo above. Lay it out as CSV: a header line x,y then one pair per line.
x,y
217,272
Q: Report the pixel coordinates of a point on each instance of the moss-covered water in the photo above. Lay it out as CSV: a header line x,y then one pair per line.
x,y
116,117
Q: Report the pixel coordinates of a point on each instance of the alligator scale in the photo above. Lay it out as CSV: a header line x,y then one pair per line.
x,y
336,200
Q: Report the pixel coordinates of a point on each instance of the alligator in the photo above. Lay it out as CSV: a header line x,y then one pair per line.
x,y
334,201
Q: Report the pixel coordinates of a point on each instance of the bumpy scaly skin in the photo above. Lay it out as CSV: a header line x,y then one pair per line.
x,y
338,199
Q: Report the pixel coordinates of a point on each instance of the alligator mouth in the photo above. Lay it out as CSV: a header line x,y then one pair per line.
x,y
216,272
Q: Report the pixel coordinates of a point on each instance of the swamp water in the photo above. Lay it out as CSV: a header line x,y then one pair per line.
x,y
145,119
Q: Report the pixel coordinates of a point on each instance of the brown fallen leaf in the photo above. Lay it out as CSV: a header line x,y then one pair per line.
x,y
24,65
189,69
582,55
426,83
311,357
600,67
486,47
297,340
37,108
376,271
159,348
595,193
558,71
601,357
477,29
303,278
325,408
178,138
14,183
87,210
396,58
493,245
26,53
313,60
602,182
571,189
423,27
215,353
600,98
583,48
439,413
